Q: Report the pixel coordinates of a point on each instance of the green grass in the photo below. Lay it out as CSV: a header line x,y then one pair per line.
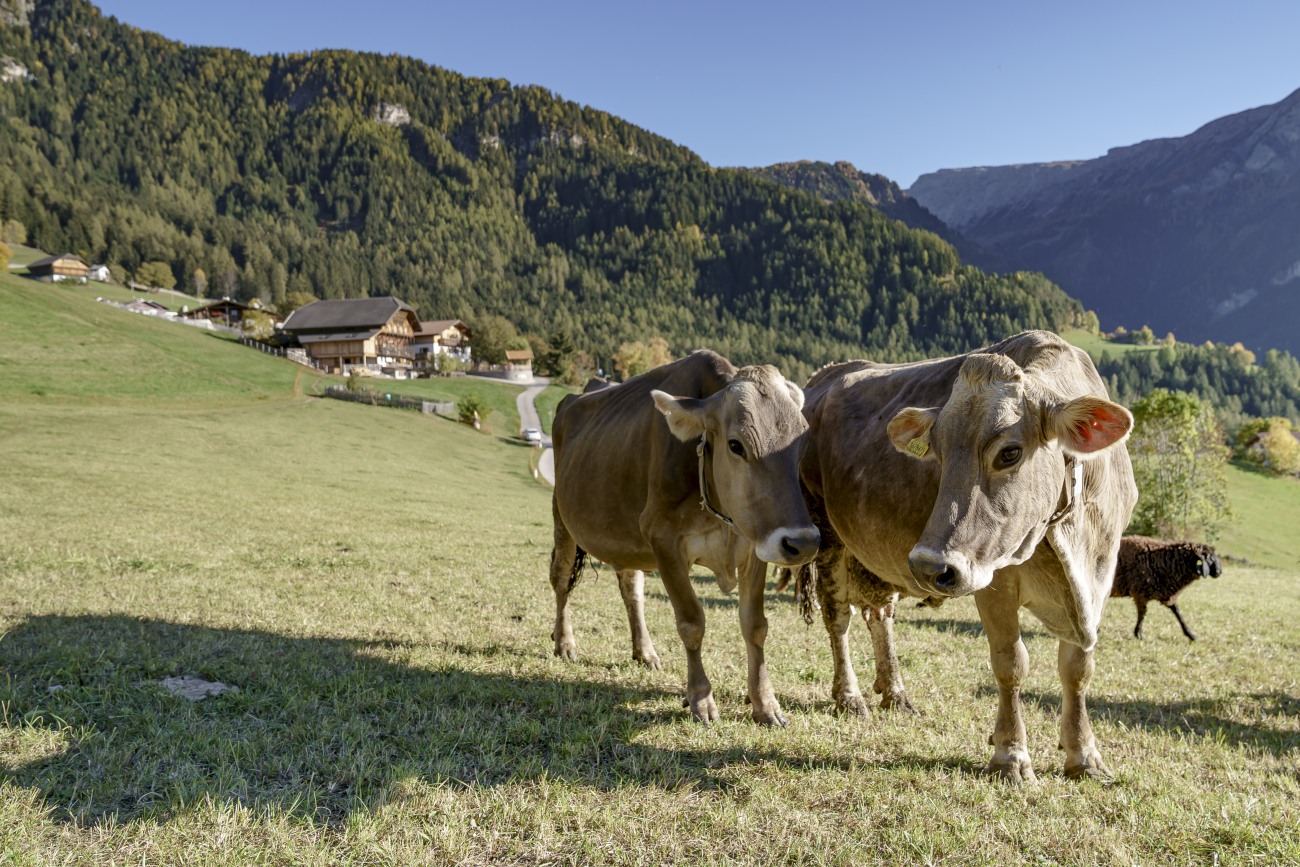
x,y
1264,529
547,401
171,300
499,396
23,255
1095,345
374,583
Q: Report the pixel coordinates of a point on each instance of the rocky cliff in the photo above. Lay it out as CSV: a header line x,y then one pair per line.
x,y
1199,234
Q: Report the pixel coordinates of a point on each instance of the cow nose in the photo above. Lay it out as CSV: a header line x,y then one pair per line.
x,y
800,546
930,569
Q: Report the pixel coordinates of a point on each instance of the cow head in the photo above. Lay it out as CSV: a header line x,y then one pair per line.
x,y
1001,443
753,433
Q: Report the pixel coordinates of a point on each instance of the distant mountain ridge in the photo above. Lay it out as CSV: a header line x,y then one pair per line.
x,y
1198,234
843,181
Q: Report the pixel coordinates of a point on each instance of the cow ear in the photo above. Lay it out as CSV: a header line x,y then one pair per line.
x,y
1087,426
684,414
796,393
909,431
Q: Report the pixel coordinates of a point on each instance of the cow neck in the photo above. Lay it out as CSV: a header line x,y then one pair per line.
x,y
1071,489
701,450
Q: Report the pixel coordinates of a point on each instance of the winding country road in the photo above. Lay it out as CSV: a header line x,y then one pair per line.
x,y
528,418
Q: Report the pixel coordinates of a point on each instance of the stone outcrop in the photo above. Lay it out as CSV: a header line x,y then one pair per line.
x,y
1194,235
391,114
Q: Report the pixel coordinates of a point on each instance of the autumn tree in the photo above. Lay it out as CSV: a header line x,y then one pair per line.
x,y
258,325
1178,462
1269,443
156,274
636,357
493,335
5,254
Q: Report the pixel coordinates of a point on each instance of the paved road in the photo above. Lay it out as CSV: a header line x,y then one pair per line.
x,y
528,418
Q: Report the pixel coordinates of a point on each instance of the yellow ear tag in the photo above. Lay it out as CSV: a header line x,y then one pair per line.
x,y
918,446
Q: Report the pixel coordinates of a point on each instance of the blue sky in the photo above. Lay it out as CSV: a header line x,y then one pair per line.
x,y
901,87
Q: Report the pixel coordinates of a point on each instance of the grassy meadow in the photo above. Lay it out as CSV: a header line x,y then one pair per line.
x,y
374,583
1095,344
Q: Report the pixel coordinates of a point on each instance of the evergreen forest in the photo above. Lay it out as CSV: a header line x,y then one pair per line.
x,y
344,174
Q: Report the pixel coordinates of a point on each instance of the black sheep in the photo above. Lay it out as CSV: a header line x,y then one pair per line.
x,y
1155,569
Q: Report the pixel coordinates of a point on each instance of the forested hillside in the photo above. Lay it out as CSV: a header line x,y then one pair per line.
x,y
344,174
843,181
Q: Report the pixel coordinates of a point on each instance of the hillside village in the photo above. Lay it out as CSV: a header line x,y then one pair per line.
x,y
379,336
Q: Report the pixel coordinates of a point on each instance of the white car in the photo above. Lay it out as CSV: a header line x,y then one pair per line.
x,y
532,435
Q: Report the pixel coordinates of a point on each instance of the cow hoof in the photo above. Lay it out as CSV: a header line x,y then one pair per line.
x,y
853,704
704,710
1091,768
567,651
771,717
1012,768
650,661
898,703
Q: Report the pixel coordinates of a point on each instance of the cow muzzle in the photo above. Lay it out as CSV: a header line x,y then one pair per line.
x,y
945,574
790,546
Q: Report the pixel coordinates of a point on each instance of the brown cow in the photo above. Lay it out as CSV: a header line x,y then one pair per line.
x,y
716,484
1000,473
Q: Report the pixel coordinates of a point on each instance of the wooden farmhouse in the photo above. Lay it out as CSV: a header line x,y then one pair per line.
x,y
228,312
65,267
440,337
370,334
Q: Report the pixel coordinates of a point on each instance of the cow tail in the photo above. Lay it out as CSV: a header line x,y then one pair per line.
x,y
575,574
805,592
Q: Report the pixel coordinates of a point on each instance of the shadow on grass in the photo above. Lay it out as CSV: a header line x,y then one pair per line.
x,y
1210,719
319,727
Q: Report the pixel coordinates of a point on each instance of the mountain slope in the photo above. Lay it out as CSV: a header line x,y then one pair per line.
x,y
1195,234
344,174
843,181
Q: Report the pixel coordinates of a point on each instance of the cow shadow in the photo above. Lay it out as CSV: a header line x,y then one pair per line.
x,y
320,727
1204,718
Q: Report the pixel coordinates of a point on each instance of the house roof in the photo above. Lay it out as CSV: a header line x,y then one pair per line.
x,y
349,314
519,355
50,260
437,326
337,335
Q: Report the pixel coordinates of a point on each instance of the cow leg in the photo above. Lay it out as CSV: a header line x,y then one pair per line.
x,y
689,614
1174,608
1082,759
889,675
631,584
837,615
1142,613
998,612
764,707
564,575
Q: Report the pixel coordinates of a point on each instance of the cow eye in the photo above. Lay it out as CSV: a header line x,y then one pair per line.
x,y
1008,457
736,447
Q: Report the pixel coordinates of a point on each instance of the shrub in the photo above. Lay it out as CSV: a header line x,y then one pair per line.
x,y
472,407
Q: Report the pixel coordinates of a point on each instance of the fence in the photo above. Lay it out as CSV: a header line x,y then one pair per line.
x,y
292,353
387,398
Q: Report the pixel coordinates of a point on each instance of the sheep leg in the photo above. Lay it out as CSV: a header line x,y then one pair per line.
x,y
1142,613
1174,608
